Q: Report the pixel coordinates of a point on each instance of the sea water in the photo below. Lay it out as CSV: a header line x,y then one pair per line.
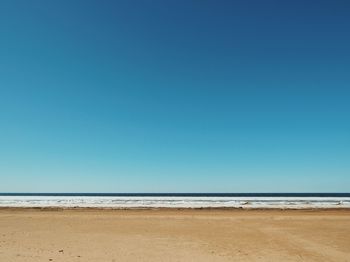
x,y
120,201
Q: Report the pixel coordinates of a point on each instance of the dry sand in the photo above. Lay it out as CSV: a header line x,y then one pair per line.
x,y
174,235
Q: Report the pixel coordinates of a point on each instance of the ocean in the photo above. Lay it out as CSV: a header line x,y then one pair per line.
x,y
179,200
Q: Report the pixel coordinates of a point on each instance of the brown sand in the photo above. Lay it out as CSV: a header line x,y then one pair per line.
x,y
174,235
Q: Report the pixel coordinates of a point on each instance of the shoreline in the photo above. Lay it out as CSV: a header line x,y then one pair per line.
x,y
238,209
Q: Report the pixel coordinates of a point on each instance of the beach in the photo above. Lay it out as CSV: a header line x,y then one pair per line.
x,y
174,235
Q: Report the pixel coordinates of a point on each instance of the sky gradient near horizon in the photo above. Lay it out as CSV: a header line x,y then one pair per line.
x,y
174,96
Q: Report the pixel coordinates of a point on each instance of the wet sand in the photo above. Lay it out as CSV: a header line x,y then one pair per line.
x,y
174,235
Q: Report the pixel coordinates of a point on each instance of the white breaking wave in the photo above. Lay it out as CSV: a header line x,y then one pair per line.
x,y
119,202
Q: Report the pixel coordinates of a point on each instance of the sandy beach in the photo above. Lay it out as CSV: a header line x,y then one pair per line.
x,y
174,235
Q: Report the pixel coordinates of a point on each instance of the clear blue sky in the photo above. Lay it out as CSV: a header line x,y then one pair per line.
x,y
174,96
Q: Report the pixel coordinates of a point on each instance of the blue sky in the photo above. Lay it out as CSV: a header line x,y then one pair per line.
x,y
174,96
